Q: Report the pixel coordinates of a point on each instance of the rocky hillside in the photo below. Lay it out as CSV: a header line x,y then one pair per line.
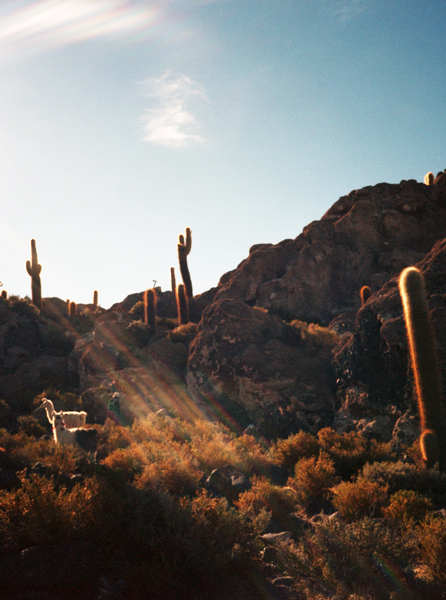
x,y
282,343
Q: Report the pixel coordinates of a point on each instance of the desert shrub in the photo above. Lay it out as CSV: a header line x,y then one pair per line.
x,y
30,426
161,430
407,507
404,476
431,536
313,479
255,458
315,336
188,541
276,500
344,562
137,311
169,469
23,306
351,451
184,333
223,535
210,444
113,436
361,498
297,446
39,512
127,462
140,332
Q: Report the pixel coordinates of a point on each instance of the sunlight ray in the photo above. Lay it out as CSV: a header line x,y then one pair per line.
x,y
53,23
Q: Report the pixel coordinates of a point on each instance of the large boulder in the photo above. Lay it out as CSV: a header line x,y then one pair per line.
x,y
261,370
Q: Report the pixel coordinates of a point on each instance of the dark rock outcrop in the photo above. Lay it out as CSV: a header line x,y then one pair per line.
x,y
247,359
365,238
375,358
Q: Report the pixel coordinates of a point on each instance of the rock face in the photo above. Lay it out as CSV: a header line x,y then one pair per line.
x,y
375,357
364,239
244,357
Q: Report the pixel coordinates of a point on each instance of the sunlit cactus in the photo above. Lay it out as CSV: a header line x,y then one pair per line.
x,y
365,294
150,308
33,268
423,353
429,178
184,249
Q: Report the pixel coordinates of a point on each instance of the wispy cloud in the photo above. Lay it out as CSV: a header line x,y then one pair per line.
x,y
346,10
171,121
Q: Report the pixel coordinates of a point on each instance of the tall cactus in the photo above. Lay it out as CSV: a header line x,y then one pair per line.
x,y
184,248
423,352
150,308
95,298
33,268
182,305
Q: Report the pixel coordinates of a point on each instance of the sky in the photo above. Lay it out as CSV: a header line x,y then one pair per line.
x,y
122,122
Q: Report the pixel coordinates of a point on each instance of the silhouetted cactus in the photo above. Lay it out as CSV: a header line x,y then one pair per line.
x,y
429,178
182,305
72,311
33,268
425,367
95,298
150,308
4,294
184,249
173,280
365,294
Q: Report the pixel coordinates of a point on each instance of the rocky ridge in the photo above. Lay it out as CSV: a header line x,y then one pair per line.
x,y
257,353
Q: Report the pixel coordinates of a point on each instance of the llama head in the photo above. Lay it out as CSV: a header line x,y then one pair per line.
x,y
58,421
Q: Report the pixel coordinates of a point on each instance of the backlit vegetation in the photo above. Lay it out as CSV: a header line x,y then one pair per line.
x,y
353,508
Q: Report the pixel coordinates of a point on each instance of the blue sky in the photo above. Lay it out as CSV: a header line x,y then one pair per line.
x,y
124,122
